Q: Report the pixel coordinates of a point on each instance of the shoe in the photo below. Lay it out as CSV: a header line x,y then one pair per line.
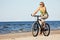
x,y
41,31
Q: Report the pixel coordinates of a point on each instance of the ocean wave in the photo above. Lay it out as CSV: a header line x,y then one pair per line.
x,y
23,26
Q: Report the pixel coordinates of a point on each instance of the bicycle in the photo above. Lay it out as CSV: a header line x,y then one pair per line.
x,y
36,26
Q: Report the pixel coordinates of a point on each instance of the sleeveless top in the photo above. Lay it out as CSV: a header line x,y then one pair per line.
x,y
41,11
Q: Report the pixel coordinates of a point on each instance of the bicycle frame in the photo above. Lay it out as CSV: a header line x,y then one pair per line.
x,y
38,21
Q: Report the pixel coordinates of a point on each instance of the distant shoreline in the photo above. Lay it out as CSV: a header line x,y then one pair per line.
x,y
29,31
20,21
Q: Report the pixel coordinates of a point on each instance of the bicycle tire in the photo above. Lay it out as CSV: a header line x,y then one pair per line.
x,y
47,25
37,29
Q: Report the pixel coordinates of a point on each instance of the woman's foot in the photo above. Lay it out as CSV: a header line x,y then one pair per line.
x,y
41,31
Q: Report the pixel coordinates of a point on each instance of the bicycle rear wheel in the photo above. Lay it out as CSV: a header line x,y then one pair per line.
x,y
35,29
46,30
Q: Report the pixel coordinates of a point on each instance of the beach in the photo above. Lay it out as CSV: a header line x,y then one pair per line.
x,y
54,35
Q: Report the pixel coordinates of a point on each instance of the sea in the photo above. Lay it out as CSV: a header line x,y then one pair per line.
x,y
24,26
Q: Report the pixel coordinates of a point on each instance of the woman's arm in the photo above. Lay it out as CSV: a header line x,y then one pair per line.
x,y
35,12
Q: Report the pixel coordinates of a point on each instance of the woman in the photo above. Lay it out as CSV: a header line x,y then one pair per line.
x,y
43,11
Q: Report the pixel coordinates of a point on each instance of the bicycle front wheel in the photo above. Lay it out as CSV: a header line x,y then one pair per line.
x,y
35,29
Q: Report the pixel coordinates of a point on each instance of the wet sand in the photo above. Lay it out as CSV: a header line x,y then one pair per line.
x,y
54,35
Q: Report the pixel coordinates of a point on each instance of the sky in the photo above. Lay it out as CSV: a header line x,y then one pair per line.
x,y
21,10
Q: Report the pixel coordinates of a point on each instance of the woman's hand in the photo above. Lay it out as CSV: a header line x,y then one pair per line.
x,y
32,14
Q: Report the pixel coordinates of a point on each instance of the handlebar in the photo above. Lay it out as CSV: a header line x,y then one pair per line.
x,y
36,15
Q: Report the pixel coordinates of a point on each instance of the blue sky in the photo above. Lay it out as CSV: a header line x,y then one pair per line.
x,y
21,10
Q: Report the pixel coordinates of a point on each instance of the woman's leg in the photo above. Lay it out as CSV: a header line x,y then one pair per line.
x,y
40,21
43,23
43,19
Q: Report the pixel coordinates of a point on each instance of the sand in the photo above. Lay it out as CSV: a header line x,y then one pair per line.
x,y
54,35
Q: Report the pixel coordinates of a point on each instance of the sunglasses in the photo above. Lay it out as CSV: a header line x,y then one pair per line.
x,y
41,4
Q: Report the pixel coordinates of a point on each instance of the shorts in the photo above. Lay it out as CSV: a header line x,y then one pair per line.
x,y
44,16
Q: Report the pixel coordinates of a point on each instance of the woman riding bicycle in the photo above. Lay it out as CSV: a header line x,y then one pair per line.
x,y
43,11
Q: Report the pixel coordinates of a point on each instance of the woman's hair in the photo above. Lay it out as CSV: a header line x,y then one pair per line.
x,y
43,3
